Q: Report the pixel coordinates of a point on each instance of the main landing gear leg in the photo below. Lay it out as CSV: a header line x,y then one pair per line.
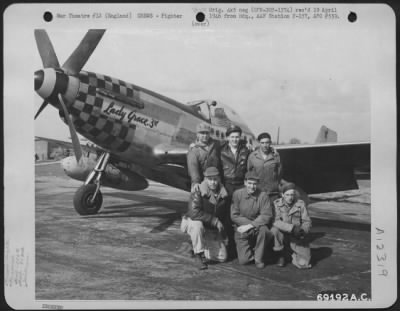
x,y
88,198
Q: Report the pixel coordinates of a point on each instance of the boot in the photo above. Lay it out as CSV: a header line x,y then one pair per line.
x,y
202,260
281,259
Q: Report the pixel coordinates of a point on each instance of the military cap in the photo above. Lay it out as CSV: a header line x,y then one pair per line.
x,y
288,186
252,175
263,135
233,128
203,127
211,171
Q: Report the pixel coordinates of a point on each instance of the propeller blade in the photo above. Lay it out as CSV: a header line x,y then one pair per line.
x,y
46,50
79,57
75,140
45,103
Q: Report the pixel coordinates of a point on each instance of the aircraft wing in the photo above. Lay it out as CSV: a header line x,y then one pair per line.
x,y
171,154
324,167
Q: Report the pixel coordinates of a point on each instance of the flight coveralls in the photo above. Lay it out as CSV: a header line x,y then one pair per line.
x,y
252,209
204,211
234,167
269,171
200,157
285,219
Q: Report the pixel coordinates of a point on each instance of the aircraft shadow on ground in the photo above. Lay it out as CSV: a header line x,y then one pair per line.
x,y
142,209
143,203
312,236
320,253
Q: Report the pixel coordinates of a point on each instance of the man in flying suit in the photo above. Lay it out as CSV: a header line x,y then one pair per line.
x,y
266,164
204,153
204,220
234,154
292,226
251,213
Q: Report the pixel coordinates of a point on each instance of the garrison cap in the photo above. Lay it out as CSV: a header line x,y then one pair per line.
x,y
203,127
288,186
263,135
233,128
211,171
252,175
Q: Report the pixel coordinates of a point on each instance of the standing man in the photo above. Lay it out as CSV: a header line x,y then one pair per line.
x,y
251,213
206,152
204,220
266,164
292,224
234,154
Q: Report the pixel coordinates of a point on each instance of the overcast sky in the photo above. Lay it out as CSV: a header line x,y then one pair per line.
x,y
298,78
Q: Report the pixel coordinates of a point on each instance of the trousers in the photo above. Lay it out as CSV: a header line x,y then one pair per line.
x,y
251,245
205,240
301,256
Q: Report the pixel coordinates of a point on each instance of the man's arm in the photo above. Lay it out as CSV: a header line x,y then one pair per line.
x,y
305,218
280,170
193,167
196,211
236,217
249,163
280,224
266,216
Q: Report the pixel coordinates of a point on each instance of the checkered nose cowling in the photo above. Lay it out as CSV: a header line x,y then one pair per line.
x,y
89,120
50,82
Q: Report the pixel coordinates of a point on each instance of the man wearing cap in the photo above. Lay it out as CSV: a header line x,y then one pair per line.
x,y
265,162
204,153
234,154
251,213
292,224
204,220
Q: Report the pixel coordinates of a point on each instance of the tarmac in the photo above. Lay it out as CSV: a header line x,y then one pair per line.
x,y
133,249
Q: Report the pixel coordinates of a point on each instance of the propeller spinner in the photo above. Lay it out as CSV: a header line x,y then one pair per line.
x,y
59,86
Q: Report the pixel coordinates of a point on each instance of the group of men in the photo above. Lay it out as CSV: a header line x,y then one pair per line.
x,y
239,203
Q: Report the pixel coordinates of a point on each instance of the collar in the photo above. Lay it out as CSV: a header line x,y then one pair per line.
x,y
273,154
208,143
291,209
206,192
254,196
234,150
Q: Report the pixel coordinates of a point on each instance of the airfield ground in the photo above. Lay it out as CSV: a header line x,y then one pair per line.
x,y
133,249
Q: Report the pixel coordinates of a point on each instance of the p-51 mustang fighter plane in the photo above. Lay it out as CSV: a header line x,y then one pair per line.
x,y
144,135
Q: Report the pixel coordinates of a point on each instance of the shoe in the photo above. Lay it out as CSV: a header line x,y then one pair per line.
x,y
281,261
202,260
260,265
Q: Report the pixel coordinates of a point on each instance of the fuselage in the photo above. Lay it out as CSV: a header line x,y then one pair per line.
x,y
134,124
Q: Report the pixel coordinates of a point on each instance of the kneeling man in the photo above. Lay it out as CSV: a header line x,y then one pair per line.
x,y
207,212
251,213
291,226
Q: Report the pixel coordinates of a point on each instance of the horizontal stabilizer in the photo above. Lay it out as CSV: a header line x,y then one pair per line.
x,y
324,167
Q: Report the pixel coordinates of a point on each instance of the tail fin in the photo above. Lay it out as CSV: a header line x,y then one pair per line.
x,y
326,135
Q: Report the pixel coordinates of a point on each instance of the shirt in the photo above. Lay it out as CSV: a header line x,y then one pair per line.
x,y
252,209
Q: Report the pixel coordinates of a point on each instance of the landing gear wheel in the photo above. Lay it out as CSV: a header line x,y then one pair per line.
x,y
83,197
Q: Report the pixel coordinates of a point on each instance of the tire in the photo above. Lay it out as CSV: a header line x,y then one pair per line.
x,y
82,198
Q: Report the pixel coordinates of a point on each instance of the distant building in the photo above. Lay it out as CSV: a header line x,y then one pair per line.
x,y
51,149
41,149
